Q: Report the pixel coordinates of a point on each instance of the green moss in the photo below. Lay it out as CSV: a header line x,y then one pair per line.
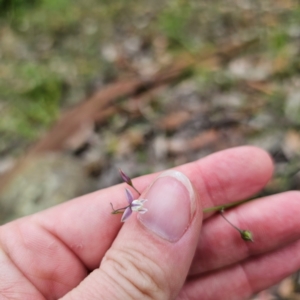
x,y
277,40
34,106
141,156
276,102
174,21
10,8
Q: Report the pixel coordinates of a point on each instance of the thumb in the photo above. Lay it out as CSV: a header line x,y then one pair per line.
x,y
152,253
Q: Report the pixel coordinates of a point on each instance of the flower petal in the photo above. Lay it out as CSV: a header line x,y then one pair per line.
x,y
136,202
136,205
129,196
142,210
127,213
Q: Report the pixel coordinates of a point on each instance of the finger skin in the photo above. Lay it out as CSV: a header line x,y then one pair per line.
x,y
44,261
273,220
13,285
242,280
63,243
86,226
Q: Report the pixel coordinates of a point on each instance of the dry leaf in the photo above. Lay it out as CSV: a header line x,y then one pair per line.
x,y
174,120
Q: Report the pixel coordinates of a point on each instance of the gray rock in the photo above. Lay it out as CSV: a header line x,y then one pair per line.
x,y
40,183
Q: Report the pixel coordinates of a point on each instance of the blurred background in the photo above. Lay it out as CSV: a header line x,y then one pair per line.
x,y
87,87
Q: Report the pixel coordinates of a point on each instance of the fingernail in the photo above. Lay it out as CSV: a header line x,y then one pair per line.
x,y
171,205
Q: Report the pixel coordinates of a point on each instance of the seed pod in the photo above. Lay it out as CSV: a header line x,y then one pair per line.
x,y
247,235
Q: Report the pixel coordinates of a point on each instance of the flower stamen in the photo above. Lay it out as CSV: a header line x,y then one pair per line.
x,y
136,205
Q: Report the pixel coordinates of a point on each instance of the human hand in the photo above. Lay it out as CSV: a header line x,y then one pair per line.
x,y
163,254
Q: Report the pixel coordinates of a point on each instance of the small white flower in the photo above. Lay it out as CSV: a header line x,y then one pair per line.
x,y
134,205
137,205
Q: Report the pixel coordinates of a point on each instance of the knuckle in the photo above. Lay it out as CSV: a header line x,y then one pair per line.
x,y
136,275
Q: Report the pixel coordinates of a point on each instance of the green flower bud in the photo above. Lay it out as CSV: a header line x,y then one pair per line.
x,y
247,235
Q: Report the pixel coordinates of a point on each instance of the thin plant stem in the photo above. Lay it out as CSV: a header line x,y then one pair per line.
x,y
117,211
135,189
222,214
222,207
128,180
